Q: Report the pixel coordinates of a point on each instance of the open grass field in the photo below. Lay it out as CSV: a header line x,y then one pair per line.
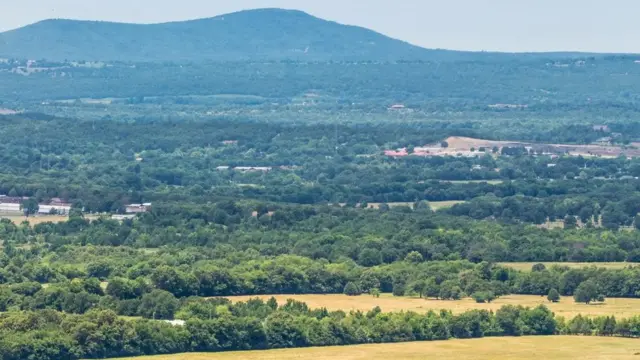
x,y
35,220
566,307
504,348
526,266
438,205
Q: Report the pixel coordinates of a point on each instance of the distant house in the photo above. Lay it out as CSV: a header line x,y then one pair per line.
x,y
604,141
123,217
230,142
508,106
59,202
176,322
4,111
396,153
4,199
253,168
552,165
137,208
255,213
604,128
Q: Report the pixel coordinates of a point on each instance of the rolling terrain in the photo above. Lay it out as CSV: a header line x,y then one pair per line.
x,y
264,34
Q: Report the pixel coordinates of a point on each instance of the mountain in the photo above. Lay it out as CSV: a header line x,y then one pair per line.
x,y
264,34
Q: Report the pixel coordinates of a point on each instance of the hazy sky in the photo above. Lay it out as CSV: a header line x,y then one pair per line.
x,y
502,25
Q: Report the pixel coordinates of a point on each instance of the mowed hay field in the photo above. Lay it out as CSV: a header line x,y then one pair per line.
x,y
526,266
35,220
525,348
567,308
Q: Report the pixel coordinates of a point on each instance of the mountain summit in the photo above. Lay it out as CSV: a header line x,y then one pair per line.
x,y
265,34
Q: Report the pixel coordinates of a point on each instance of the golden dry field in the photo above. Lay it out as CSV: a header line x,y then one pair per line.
x,y
35,220
566,307
503,348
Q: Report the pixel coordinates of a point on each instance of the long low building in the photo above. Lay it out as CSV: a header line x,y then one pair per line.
x,y
60,209
9,207
43,209
137,208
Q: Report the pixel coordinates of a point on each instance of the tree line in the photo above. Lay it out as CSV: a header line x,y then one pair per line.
x,y
218,325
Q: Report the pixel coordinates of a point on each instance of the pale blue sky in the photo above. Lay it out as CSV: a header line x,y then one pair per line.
x,y
500,25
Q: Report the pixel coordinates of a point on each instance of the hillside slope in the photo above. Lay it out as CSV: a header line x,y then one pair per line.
x,y
265,34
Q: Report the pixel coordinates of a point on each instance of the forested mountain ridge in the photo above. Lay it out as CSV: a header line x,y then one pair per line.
x,y
264,34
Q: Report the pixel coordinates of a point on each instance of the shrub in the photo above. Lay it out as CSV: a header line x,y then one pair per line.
x,y
351,289
483,296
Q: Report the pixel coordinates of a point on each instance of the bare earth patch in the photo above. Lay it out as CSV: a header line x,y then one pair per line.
x,y
460,143
4,111
461,146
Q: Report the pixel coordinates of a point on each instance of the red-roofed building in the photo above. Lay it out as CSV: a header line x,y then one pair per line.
x,y
396,153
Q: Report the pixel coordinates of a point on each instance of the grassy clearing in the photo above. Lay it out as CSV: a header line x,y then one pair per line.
x,y
566,307
103,285
526,266
439,205
525,348
35,220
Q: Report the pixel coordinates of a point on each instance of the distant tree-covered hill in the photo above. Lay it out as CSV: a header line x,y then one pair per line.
x,y
271,34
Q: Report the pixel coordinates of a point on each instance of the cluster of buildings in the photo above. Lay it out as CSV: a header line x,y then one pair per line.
x,y
137,208
132,210
265,169
431,151
246,168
